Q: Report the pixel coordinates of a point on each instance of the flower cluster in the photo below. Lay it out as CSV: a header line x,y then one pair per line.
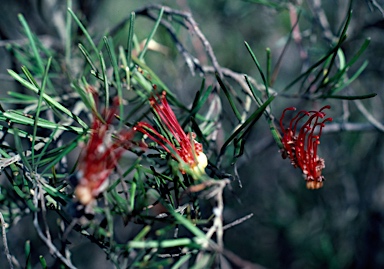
x,y
300,146
183,147
100,156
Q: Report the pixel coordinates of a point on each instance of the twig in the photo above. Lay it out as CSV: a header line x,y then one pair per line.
x,y
296,36
217,194
194,28
4,235
364,111
44,214
376,5
346,112
239,262
239,78
47,40
321,18
48,243
237,222
192,62
368,115
349,127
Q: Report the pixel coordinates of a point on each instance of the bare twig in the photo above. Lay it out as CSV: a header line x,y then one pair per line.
x,y
376,5
44,214
237,222
349,127
296,36
360,106
47,40
4,235
193,27
239,78
321,18
368,115
217,194
192,62
239,262
47,241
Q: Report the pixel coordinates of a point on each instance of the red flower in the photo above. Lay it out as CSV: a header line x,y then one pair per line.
x,y
100,156
301,146
183,147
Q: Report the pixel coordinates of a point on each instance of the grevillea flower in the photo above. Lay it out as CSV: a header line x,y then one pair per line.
x,y
300,145
183,147
100,156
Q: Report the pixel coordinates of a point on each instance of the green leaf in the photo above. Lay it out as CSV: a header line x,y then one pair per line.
x,y
88,58
38,109
68,40
200,235
249,122
19,98
112,56
20,150
32,42
352,97
150,37
200,99
181,261
20,118
105,79
64,151
43,262
55,193
142,234
229,97
170,243
269,64
363,47
265,82
349,81
84,30
27,251
130,38
53,103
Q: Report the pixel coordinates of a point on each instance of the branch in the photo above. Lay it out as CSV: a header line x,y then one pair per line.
x,y
47,241
237,222
368,115
4,235
349,126
187,16
321,18
376,5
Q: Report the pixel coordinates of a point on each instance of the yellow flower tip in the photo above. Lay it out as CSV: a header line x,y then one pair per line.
x,y
314,185
83,194
202,162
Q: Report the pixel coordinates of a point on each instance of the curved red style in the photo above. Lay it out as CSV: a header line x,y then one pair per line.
x,y
100,156
183,147
300,146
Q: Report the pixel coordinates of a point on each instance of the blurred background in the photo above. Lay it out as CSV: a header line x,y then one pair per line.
x,y
338,226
